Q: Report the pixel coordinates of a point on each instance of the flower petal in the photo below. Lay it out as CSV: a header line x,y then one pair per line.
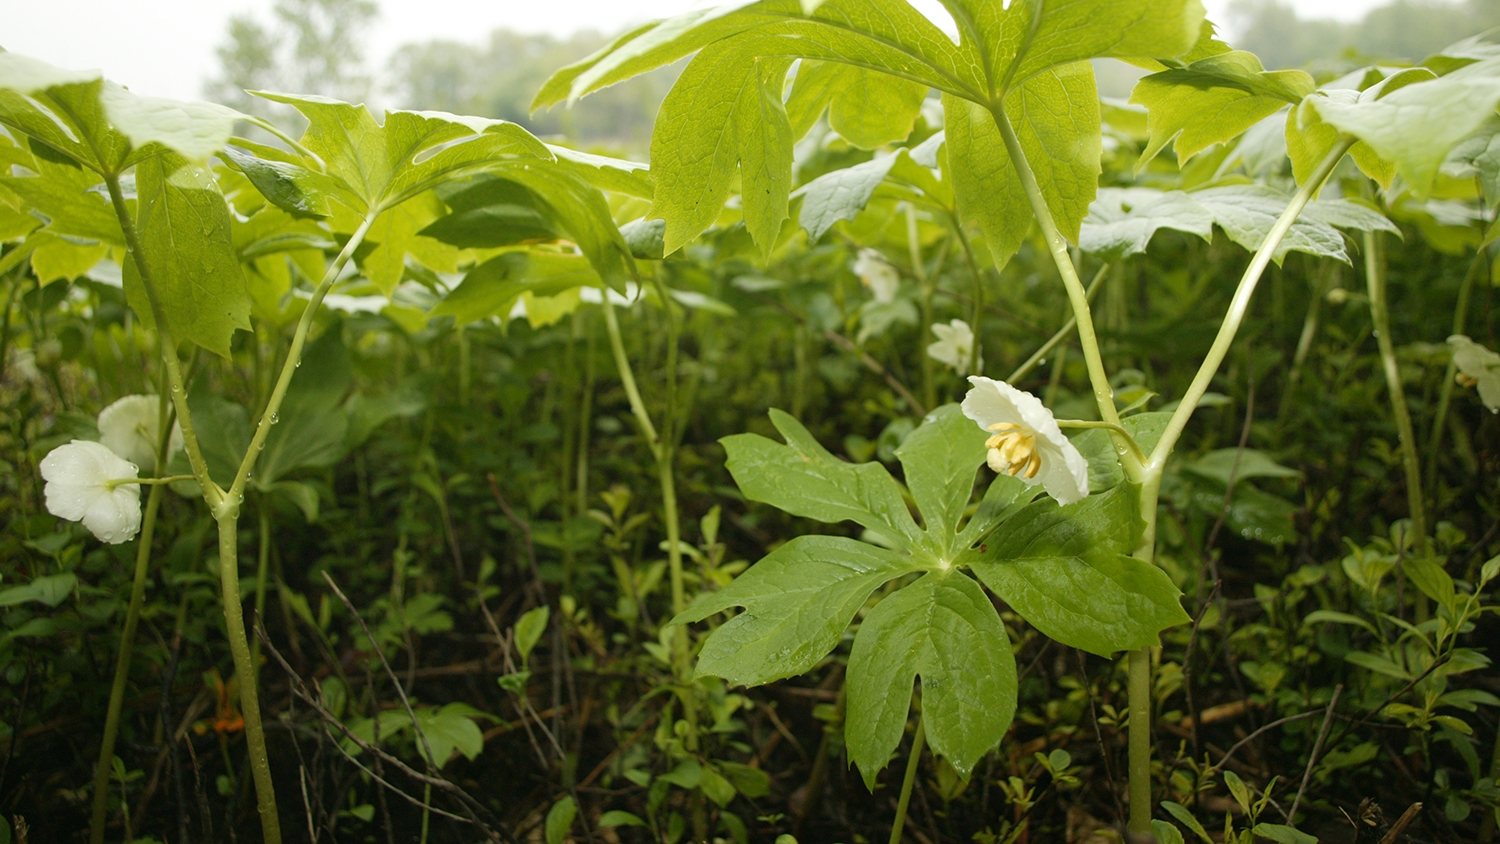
x,y
1482,365
1064,472
76,474
130,428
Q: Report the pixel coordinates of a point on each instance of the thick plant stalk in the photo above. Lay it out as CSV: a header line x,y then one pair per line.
x,y
918,742
225,510
1148,477
225,504
1140,742
1380,315
127,644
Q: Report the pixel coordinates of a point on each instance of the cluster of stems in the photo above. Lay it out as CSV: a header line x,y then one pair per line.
x,y
1145,471
224,505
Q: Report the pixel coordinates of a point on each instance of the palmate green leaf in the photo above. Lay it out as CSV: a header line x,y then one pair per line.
x,y
101,125
1018,40
183,222
376,166
288,185
840,194
612,174
804,479
445,729
1213,100
866,107
1122,221
886,34
940,458
490,212
798,600
1416,125
724,113
580,212
63,193
1478,157
494,286
1309,140
944,629
1247,212
1056,118
1067,571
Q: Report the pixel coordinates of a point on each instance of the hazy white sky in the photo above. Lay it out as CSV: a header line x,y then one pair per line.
x,y
166,47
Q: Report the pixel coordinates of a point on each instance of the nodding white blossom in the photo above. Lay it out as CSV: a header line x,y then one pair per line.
x,y
78,489
1026,442
1477,367
877,274
131,428
954,345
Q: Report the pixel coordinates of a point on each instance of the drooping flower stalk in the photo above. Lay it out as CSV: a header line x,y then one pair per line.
x,y
127,633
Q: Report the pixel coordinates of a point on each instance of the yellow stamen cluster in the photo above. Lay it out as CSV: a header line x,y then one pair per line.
x,y
1012,451
1464,379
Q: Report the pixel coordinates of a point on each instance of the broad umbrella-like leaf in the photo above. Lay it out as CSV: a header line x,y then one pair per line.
x,y
798,600
943,629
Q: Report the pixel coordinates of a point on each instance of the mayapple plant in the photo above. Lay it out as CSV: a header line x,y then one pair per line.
x,y
170,225
1021,148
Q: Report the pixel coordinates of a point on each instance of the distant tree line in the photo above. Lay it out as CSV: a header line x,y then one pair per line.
x,y
1405,30
318,46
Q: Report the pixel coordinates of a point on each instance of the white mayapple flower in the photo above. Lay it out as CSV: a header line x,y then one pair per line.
x,y
131,428
877,274
78,490
954,345
1477,367
1026,442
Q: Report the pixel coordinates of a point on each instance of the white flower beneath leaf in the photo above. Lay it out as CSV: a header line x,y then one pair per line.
x,y
954,345
1477,367
79,489
877,274
1026,442
131,428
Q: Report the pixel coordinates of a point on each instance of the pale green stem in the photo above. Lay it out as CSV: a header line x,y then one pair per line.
x,y
1140,743
917,743
226,512
1118,430
114,482
1240,304
661,451
1445,393
1062,333
212,494
127,644
293,359
1057,245
263,562
627,378
244,669
1380,317
1140,660
1088,339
